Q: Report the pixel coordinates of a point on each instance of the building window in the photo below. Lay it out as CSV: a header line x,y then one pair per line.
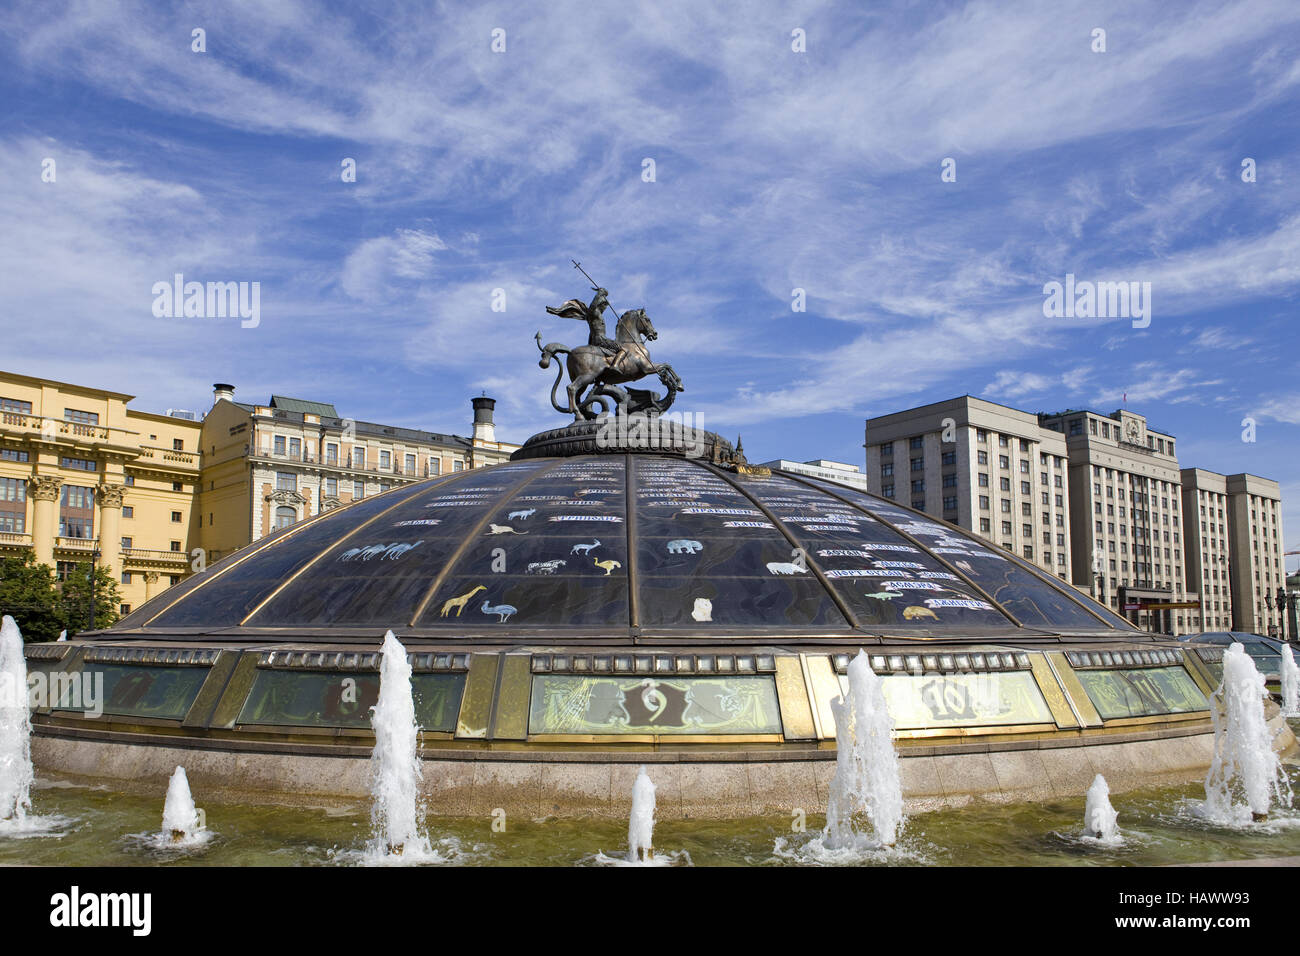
x,y
887,491
918,487
130,481
359,456
950,481
457,465
79,464
1024,466
984,502
177,486
948,458
886,448
886,470
285,516
1004,461
332,487
435,466
126,577
984,524
981,458
950,503
279,445
82,418
176,545
1004,484
286,481
1006,506
125,609
410,464
295,447
1006,527
15,406
917,442
176,517
918,464
358,490
332,454
385,459
13,454
178,444
983,480
126,543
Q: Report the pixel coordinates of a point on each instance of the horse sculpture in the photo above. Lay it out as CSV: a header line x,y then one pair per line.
x,y
594,375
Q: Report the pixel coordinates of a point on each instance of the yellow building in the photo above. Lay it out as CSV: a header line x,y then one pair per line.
x,y
83,477
269,466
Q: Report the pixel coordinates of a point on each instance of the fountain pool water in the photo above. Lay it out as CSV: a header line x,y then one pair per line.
x,y
1099,817
1245,763
1290,683
16,773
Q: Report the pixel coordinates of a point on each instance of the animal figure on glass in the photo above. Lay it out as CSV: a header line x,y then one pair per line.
x,y
585,548
503,611
459,602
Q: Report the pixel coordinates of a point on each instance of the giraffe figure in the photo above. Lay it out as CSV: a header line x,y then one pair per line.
x,y
459,602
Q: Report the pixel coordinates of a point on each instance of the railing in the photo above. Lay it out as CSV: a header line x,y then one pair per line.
x,y
14,539
76,544
155,554
171,456
52,427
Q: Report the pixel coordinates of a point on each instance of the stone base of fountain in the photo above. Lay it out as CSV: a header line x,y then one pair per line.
x,y
690,785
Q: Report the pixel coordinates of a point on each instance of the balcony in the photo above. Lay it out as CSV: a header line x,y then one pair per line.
x,y
167,459
11,541
79,545
154,556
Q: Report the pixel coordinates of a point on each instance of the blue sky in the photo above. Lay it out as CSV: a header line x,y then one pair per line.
x,y
775,170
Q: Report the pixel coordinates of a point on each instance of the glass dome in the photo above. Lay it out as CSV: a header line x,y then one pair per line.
x,y
621,548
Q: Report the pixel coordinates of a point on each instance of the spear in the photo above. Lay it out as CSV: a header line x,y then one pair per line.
x,y
594,285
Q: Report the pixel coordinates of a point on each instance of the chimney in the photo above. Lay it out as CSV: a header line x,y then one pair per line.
x,y
484,429
222,392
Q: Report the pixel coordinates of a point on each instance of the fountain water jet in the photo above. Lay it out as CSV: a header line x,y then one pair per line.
x,y
1099,817
396,814
180,816
641,823
866,780
1244,760
1290,683
16,774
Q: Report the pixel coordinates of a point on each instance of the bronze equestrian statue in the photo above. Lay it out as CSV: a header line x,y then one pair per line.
x,y
604,364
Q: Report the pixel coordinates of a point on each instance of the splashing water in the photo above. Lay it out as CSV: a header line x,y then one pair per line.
x,y
1290,684
641,823
63,635
866,784
397,817
181,822
1100,821
1244,761
16,773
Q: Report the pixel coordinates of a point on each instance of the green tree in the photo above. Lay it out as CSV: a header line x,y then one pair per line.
x,y
29,593
75,602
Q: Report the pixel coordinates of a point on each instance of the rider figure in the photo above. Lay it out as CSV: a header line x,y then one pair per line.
x,y
593,315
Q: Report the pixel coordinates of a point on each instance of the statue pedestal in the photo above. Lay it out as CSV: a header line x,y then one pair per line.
x,y
631,434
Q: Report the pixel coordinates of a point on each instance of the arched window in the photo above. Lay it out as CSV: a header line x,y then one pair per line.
x,y
285,516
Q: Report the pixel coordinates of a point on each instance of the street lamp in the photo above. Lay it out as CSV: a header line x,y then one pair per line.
x,y
1268,620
